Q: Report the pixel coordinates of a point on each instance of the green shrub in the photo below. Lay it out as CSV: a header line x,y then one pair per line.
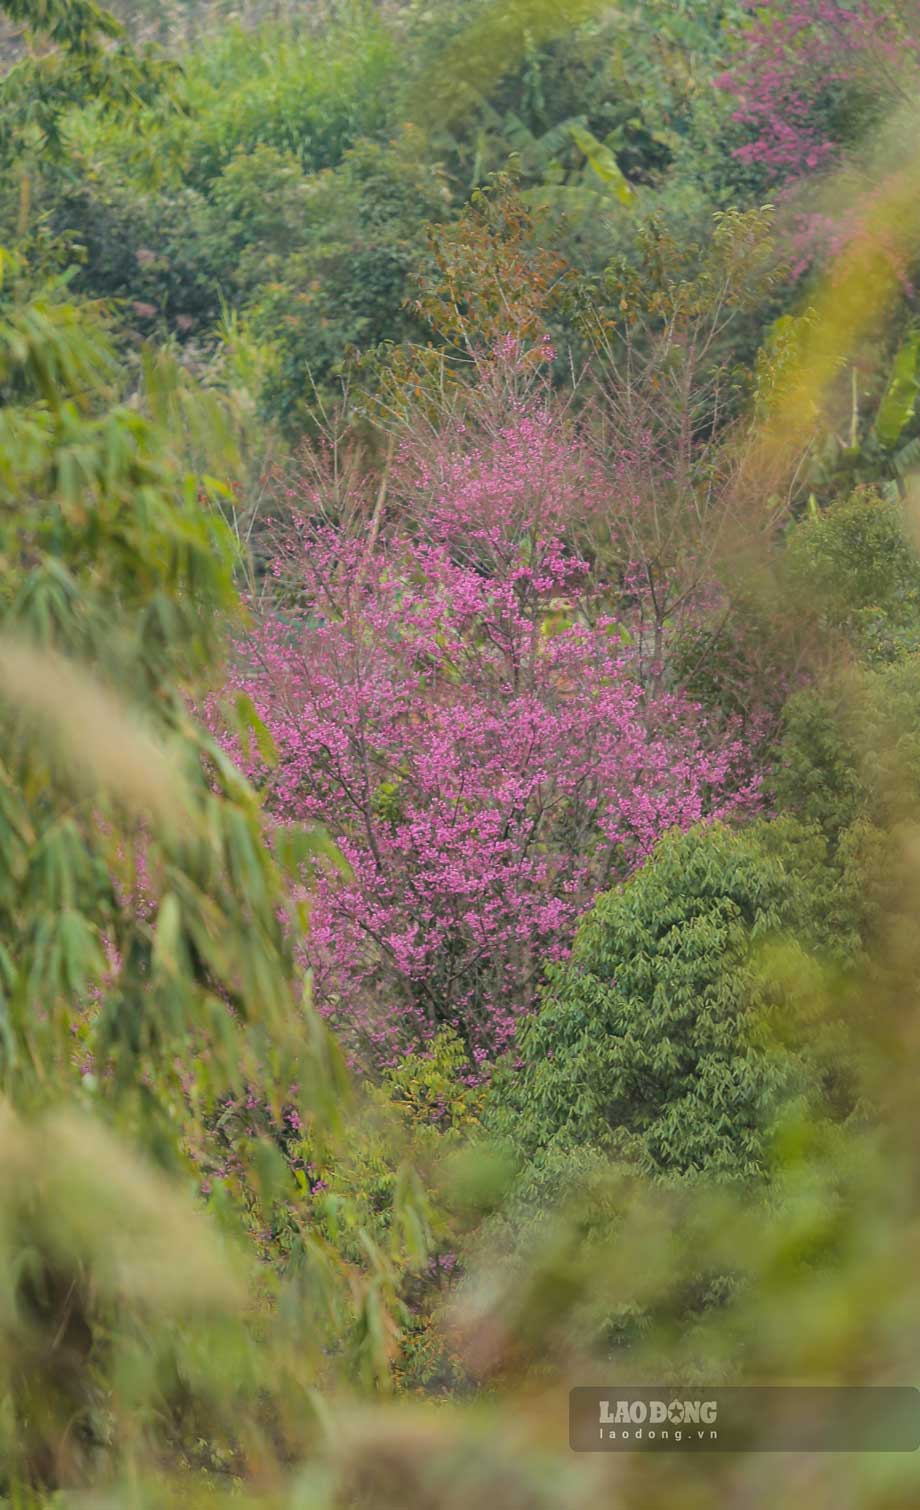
x,y
362,238
854,566
651,1041
850,748
292,89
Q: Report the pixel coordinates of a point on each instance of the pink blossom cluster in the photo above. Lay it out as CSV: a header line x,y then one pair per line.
x,y
793,58
452,697
829,238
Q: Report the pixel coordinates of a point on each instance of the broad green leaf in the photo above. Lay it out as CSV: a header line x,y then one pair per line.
x,y
603,162
897,407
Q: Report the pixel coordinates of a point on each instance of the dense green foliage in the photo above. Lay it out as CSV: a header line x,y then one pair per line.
x,y
292,168
147,978
647,1043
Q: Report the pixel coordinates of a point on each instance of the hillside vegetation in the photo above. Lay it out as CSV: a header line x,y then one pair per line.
x,y
460,744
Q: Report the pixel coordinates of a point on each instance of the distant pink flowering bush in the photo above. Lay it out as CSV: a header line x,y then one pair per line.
x,y
795,63
451,699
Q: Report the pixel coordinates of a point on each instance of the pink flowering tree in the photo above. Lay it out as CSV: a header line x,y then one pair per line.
x,y
805,70
449,692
